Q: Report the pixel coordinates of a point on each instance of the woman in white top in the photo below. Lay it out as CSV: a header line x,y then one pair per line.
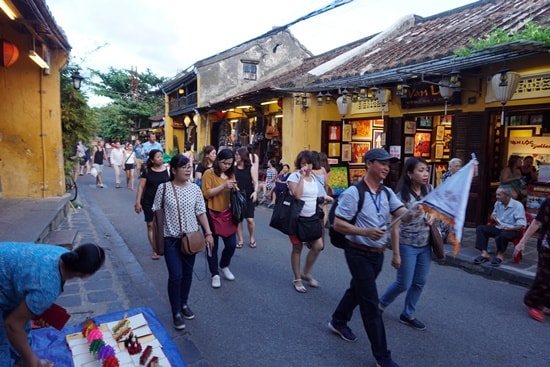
x,y
303,186
129,165
184,211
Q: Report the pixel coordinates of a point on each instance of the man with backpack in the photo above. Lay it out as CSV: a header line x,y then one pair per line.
x,y
365,241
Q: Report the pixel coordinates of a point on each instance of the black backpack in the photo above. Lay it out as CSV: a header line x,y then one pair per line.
x,y
338,239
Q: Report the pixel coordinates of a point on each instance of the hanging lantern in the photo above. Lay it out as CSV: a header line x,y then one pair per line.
x,y
504,85
343,106
8,53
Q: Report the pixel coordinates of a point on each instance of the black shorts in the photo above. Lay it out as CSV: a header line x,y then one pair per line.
x,y
129,166
147,213
249,212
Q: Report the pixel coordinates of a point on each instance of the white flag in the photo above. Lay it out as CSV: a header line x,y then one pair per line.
x,y
448,201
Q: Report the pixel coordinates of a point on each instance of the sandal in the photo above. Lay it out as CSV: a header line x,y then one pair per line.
x,y
299,288
312,281
496,261
252,244
480,260
155,256
240,245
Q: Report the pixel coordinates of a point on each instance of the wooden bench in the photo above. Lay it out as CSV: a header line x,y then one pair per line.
x,y
65,238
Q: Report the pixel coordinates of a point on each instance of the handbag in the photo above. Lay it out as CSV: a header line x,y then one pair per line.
x,y
193,242
286,213
238,205
436,241
309,228
222,222
158,226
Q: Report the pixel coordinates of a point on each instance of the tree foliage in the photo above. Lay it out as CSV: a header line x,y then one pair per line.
x,y
77,121
531,32
134,98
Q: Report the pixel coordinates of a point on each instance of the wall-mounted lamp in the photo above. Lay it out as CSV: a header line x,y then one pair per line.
x,y
302,100
38,60
10,10
320,98
328,97
181,91
504,86
9,53
383,98
401,88
77,80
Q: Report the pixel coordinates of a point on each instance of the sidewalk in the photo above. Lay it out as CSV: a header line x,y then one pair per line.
x,y
113,288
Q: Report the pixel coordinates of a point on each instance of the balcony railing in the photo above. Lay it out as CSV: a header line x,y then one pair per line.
x,y
182,103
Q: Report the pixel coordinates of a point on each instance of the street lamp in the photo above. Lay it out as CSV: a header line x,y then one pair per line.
x,y
77,80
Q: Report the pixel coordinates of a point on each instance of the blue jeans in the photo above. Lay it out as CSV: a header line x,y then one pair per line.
x,y
364,267
180,273
412,275
230,244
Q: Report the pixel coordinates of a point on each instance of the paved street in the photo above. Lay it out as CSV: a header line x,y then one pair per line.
x,y
260,319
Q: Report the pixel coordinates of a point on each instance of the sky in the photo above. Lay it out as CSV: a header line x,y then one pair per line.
x,y
169,36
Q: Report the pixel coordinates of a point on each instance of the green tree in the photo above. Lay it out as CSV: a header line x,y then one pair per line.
x,y
134,98
77,121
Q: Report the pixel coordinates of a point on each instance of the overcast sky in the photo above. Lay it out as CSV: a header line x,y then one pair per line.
x,y
167,36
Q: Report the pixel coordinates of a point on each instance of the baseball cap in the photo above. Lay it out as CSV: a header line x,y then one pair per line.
x,y
378,154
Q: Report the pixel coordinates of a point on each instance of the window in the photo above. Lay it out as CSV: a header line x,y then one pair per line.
x,y
249,69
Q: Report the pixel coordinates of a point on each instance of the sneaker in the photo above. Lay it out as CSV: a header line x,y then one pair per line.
x,y
216,281
187,313
179,322
386,362
344,332
415,323
227,274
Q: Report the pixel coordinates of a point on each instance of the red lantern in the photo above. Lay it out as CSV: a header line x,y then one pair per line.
x,y
8,53
220,115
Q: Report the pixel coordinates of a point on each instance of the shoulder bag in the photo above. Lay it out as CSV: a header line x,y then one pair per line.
x,y
222,222
309,228
436,241
238,205
286,213
193,242
158,226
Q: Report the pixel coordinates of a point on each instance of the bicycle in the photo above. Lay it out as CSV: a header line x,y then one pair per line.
x,y
70,187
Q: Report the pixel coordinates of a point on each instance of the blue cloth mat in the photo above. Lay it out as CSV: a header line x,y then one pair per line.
x,y
50,343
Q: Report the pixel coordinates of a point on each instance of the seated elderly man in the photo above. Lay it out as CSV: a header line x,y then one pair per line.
x,y
509,218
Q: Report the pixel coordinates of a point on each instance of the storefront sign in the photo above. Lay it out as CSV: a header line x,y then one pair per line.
x,y
424,95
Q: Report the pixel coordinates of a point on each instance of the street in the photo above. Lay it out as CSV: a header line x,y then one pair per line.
x,y
259,319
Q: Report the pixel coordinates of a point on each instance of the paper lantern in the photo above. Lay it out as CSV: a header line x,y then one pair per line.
x,y
504,85
8,53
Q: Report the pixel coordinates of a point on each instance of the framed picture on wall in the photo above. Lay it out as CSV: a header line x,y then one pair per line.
x,y
334,132
361,130
378,123
422,144
356,174
439,150
424,122
439,132
346,132
378,138
409,145
409,127
346,152
333,149
338,179
358,150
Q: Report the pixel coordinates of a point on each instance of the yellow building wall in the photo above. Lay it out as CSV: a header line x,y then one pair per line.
x,y
31,158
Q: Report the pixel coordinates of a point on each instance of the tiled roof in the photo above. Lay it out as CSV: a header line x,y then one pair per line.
x,y
440,35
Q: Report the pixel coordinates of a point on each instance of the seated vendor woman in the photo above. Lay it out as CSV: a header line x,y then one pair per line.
x,y
31,278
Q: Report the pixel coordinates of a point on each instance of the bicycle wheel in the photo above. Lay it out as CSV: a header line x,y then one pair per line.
x,y
71,188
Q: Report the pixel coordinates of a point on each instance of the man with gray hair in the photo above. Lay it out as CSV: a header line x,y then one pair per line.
x,y
508,217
